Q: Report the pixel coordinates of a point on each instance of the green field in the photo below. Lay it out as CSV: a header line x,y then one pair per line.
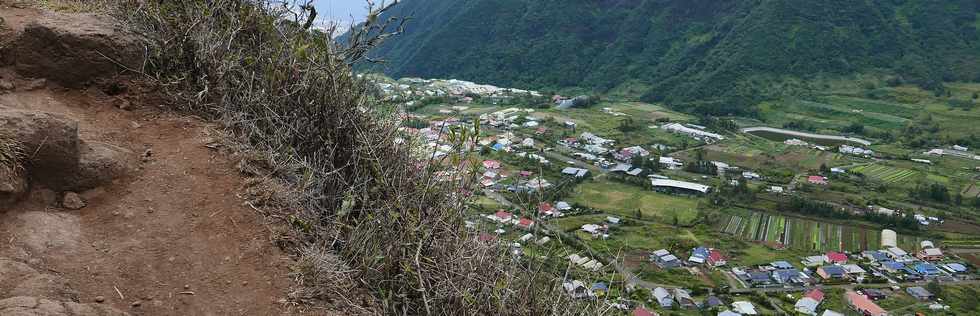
x,y
881,109
803,234
886,174
623,200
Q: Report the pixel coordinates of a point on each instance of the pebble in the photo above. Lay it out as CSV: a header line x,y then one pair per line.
x,y
72,201
187,286
99,299
137,304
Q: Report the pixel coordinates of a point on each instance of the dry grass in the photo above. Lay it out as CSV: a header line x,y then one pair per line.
x,y
11,154
356,206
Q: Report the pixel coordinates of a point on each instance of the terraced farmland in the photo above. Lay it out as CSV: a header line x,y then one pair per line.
x,y
886,174
802,234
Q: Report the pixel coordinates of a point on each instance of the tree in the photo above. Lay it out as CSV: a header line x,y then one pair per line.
x,y
934,288
854,128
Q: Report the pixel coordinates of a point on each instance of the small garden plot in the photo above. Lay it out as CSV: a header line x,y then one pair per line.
x,y
624,200
804,234
972,190
886,174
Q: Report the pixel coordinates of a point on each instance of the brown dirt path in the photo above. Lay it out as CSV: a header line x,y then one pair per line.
x,y
170,239
175,222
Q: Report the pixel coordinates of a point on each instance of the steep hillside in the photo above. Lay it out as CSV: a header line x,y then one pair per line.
x,y
713,55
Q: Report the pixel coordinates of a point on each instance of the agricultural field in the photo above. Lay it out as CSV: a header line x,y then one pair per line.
x,y
869,102
757,153
804,234
972,190
624,200
886,174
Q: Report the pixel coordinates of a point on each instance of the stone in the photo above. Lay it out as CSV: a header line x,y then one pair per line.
x,y
99,164
122,104
72,201
20,279
74,50
50,141
100,299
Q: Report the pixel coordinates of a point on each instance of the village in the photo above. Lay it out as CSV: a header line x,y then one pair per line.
x,y
535,164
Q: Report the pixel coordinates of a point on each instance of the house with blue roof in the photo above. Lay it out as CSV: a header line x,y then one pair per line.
x,y
664,298
781,265
832,272
875,256
892,266
955,268
785,276
699,255
599,289
759,278
927,269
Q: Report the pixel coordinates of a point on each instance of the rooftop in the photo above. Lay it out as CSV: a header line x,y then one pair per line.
x,y
680,185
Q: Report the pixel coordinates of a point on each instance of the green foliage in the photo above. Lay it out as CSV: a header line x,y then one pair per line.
x,y
349,189
705,56
936,192
701,164
811,207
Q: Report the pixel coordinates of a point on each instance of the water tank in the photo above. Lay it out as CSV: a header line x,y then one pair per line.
x,y
926,244
889,238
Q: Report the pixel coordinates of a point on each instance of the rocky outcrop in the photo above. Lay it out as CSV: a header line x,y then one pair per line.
x,y
33,306
73,49
56,157
49,140
99,164
29,292
22,280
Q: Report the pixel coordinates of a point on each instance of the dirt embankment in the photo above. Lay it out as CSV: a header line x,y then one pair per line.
x,y
155,227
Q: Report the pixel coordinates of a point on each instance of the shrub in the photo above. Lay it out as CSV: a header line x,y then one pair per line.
x,y
287,97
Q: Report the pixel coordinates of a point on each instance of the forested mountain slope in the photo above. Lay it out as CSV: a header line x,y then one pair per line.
x,y
709,56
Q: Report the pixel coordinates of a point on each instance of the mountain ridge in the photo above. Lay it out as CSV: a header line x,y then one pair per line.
x,y
714,57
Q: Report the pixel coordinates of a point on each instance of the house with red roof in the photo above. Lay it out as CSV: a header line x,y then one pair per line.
x,y
491,164
715,258
484,237
815,294
835,257
503,216
525,223
818,180
545,208
640,311
864,305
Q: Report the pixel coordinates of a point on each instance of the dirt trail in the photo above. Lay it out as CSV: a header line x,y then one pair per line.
x,y
170,238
